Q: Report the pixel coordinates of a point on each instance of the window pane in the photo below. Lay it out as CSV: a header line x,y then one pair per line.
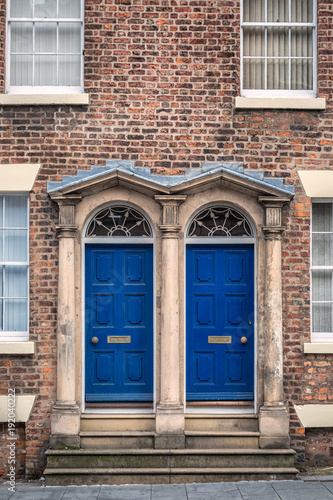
x,y
16,211
16,281
20,8
15,245
70,8
322,285
16,315
21,37
70,38
254,10
301,74
254,74
278,11
322,245
1,211
278,74
253,41
45,8
1,281
277,42
322,217
322,318
21,70
46,37
1,245
46,70
301,11
70,70
1,315
301,42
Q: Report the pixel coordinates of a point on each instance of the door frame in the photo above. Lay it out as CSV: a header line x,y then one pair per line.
x,y
117,240
229,240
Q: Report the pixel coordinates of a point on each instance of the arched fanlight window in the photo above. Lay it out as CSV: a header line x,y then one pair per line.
x,y
119,221
220,221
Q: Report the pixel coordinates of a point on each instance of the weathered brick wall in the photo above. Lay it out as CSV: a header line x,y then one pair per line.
x,y
163,75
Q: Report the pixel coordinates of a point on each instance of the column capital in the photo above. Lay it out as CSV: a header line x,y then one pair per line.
x,y
66,231
170,205
273,228
66,227
273,232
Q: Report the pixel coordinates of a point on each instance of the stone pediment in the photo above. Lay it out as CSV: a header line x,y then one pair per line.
x,y
186,181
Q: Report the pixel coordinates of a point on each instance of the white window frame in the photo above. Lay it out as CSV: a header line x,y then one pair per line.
x,y
5,335
319,337
264,93
42,89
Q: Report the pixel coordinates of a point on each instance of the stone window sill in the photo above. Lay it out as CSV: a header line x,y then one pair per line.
x,y
17,347
44,99
280,103
318,348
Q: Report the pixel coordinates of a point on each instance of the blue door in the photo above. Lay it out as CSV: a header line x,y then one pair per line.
x,y
219,319
119,322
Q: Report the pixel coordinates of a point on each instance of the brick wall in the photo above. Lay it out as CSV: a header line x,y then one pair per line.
x,y
163,75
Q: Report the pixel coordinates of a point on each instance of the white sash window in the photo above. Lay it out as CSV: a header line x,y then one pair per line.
x,y
322,271
44,46
278,48
14,268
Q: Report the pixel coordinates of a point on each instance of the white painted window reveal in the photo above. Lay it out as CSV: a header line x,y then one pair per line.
x,y
14,267
322,271
44,46
278,48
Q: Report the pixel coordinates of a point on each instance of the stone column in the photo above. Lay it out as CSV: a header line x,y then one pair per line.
x,y
170,419
273,416
65,417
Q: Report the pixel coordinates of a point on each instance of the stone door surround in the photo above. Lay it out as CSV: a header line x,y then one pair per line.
x,y
170,202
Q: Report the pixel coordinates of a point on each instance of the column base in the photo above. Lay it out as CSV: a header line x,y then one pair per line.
x,y
274,427
65,426
170,420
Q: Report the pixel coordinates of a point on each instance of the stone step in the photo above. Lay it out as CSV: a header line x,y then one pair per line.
x,y
160,459
65,476
106,440
118,422
215,439
222,423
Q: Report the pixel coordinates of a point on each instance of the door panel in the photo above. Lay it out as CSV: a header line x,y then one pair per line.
x,y
119,313
220,311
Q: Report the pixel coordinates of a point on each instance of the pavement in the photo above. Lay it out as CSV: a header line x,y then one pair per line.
x,y
307,488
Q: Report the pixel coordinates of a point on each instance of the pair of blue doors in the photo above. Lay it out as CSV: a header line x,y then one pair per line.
x,y
119,322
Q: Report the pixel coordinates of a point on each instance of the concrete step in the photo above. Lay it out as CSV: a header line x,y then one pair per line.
x,y
64,476
118,422
160,459
222,423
